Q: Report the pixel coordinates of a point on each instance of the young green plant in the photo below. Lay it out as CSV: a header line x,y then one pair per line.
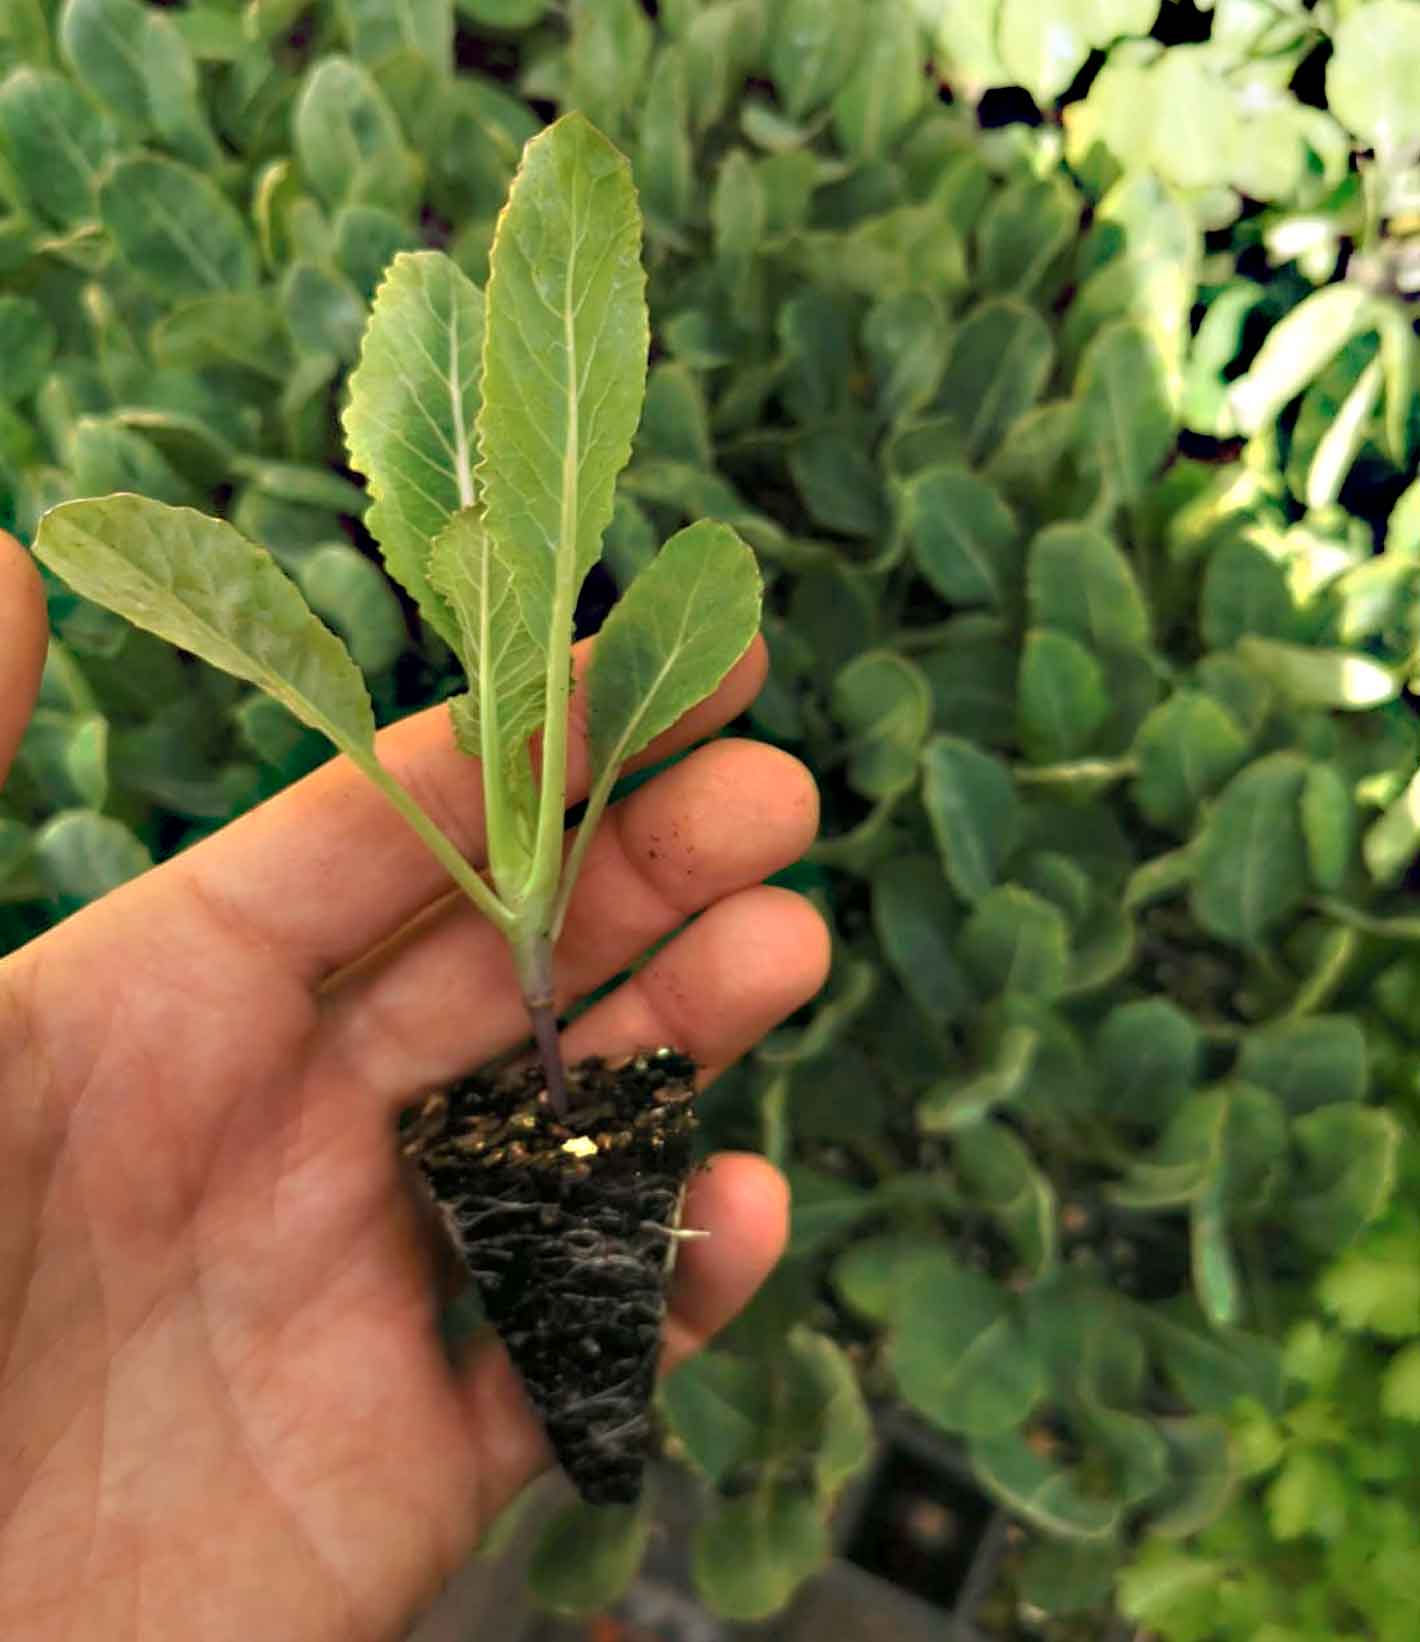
x,y
491,428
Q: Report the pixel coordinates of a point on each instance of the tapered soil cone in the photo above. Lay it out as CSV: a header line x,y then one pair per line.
x,y
567,1226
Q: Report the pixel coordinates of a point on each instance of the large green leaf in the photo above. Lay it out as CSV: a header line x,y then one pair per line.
x,y
674,634
1125,419
1309,1063
1149,1055
999,365
195,582
1350,1157
963,536
885,88
175,228
348,139
564,365
1185,750
1252,862
1062,701
409,421
1079,581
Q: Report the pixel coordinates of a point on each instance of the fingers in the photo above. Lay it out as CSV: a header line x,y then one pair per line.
x,y
743,1203
327,870
720,821
24,634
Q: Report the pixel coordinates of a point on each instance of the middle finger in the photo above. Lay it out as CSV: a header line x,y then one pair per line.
x,y
446,998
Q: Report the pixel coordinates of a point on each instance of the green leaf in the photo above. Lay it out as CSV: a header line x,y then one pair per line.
x,y
27,340
175,228
587,1555
348,140
564,365
813,46
1125,418
1042,44
1321,678
1308,1063
957,1104
1244,593
323,311
676,632
1203,1471
1400,1388
1296,350
1185,749
886,87
1390,844
964,537
960,1356
1044,1495
365,240
975,814
665,160
1328,825
1149,1055
196,583
606,59
506,686
54,143
1017,942
1350,1158
1062,701
1371,77
1000,1174
838,482
1252,864
716,1405
998,367
354,598
238,328
413,401
751,1554
883,702
1022,235
24,36
81,856
877,1276
914,917
1063,1578
1079,581
1339,446
374,28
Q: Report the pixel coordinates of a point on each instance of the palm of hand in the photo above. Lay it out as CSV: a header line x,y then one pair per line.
x,y
225,1410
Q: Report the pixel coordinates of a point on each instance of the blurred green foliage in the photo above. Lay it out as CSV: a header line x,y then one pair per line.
x,y
1058,359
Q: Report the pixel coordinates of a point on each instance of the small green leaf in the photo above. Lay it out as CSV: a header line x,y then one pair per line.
x,y
716,1405
1000,1174
347,590
1244,593
1079,581
409,420
1371,76
960,1356
1339,446
1296,350
348,140
1016,942
1125,418
1400,1388
1062,700
1390,844
606,59
677,630
564,365
196,583
323,311
972,805
1149,1055
1351,1154
665,160
27,340
1046,1496
813,46
374,28
877,1276
957,1104
365,240
1328,825
1022,235
886,87
54,143
1252,863
238,328
1186,749
998,367
1321,678
587,1555
883,702
1308,1063
81,856
175,228
914,917
751,1554
839,483
964,537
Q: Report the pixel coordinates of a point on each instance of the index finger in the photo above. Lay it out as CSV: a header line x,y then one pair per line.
x,y
327,870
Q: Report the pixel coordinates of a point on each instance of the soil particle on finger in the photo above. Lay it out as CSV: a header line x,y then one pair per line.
x,y
567,1227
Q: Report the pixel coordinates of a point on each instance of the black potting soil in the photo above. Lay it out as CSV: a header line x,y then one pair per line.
x,y
566,1226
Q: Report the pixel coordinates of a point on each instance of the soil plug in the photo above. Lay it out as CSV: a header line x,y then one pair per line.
x,y
491,428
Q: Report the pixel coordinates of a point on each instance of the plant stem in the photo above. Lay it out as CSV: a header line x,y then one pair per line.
x,y
534,960
596,804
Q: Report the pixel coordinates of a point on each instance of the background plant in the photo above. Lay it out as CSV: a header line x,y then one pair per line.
x,y
1072,420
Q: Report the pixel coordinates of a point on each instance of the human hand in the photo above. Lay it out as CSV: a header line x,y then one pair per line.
x,y
225,1410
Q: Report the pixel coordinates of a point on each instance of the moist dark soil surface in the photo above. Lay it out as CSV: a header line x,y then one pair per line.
x,y
567,1225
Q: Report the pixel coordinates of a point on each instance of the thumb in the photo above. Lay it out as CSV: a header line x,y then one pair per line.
x,y
24,633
